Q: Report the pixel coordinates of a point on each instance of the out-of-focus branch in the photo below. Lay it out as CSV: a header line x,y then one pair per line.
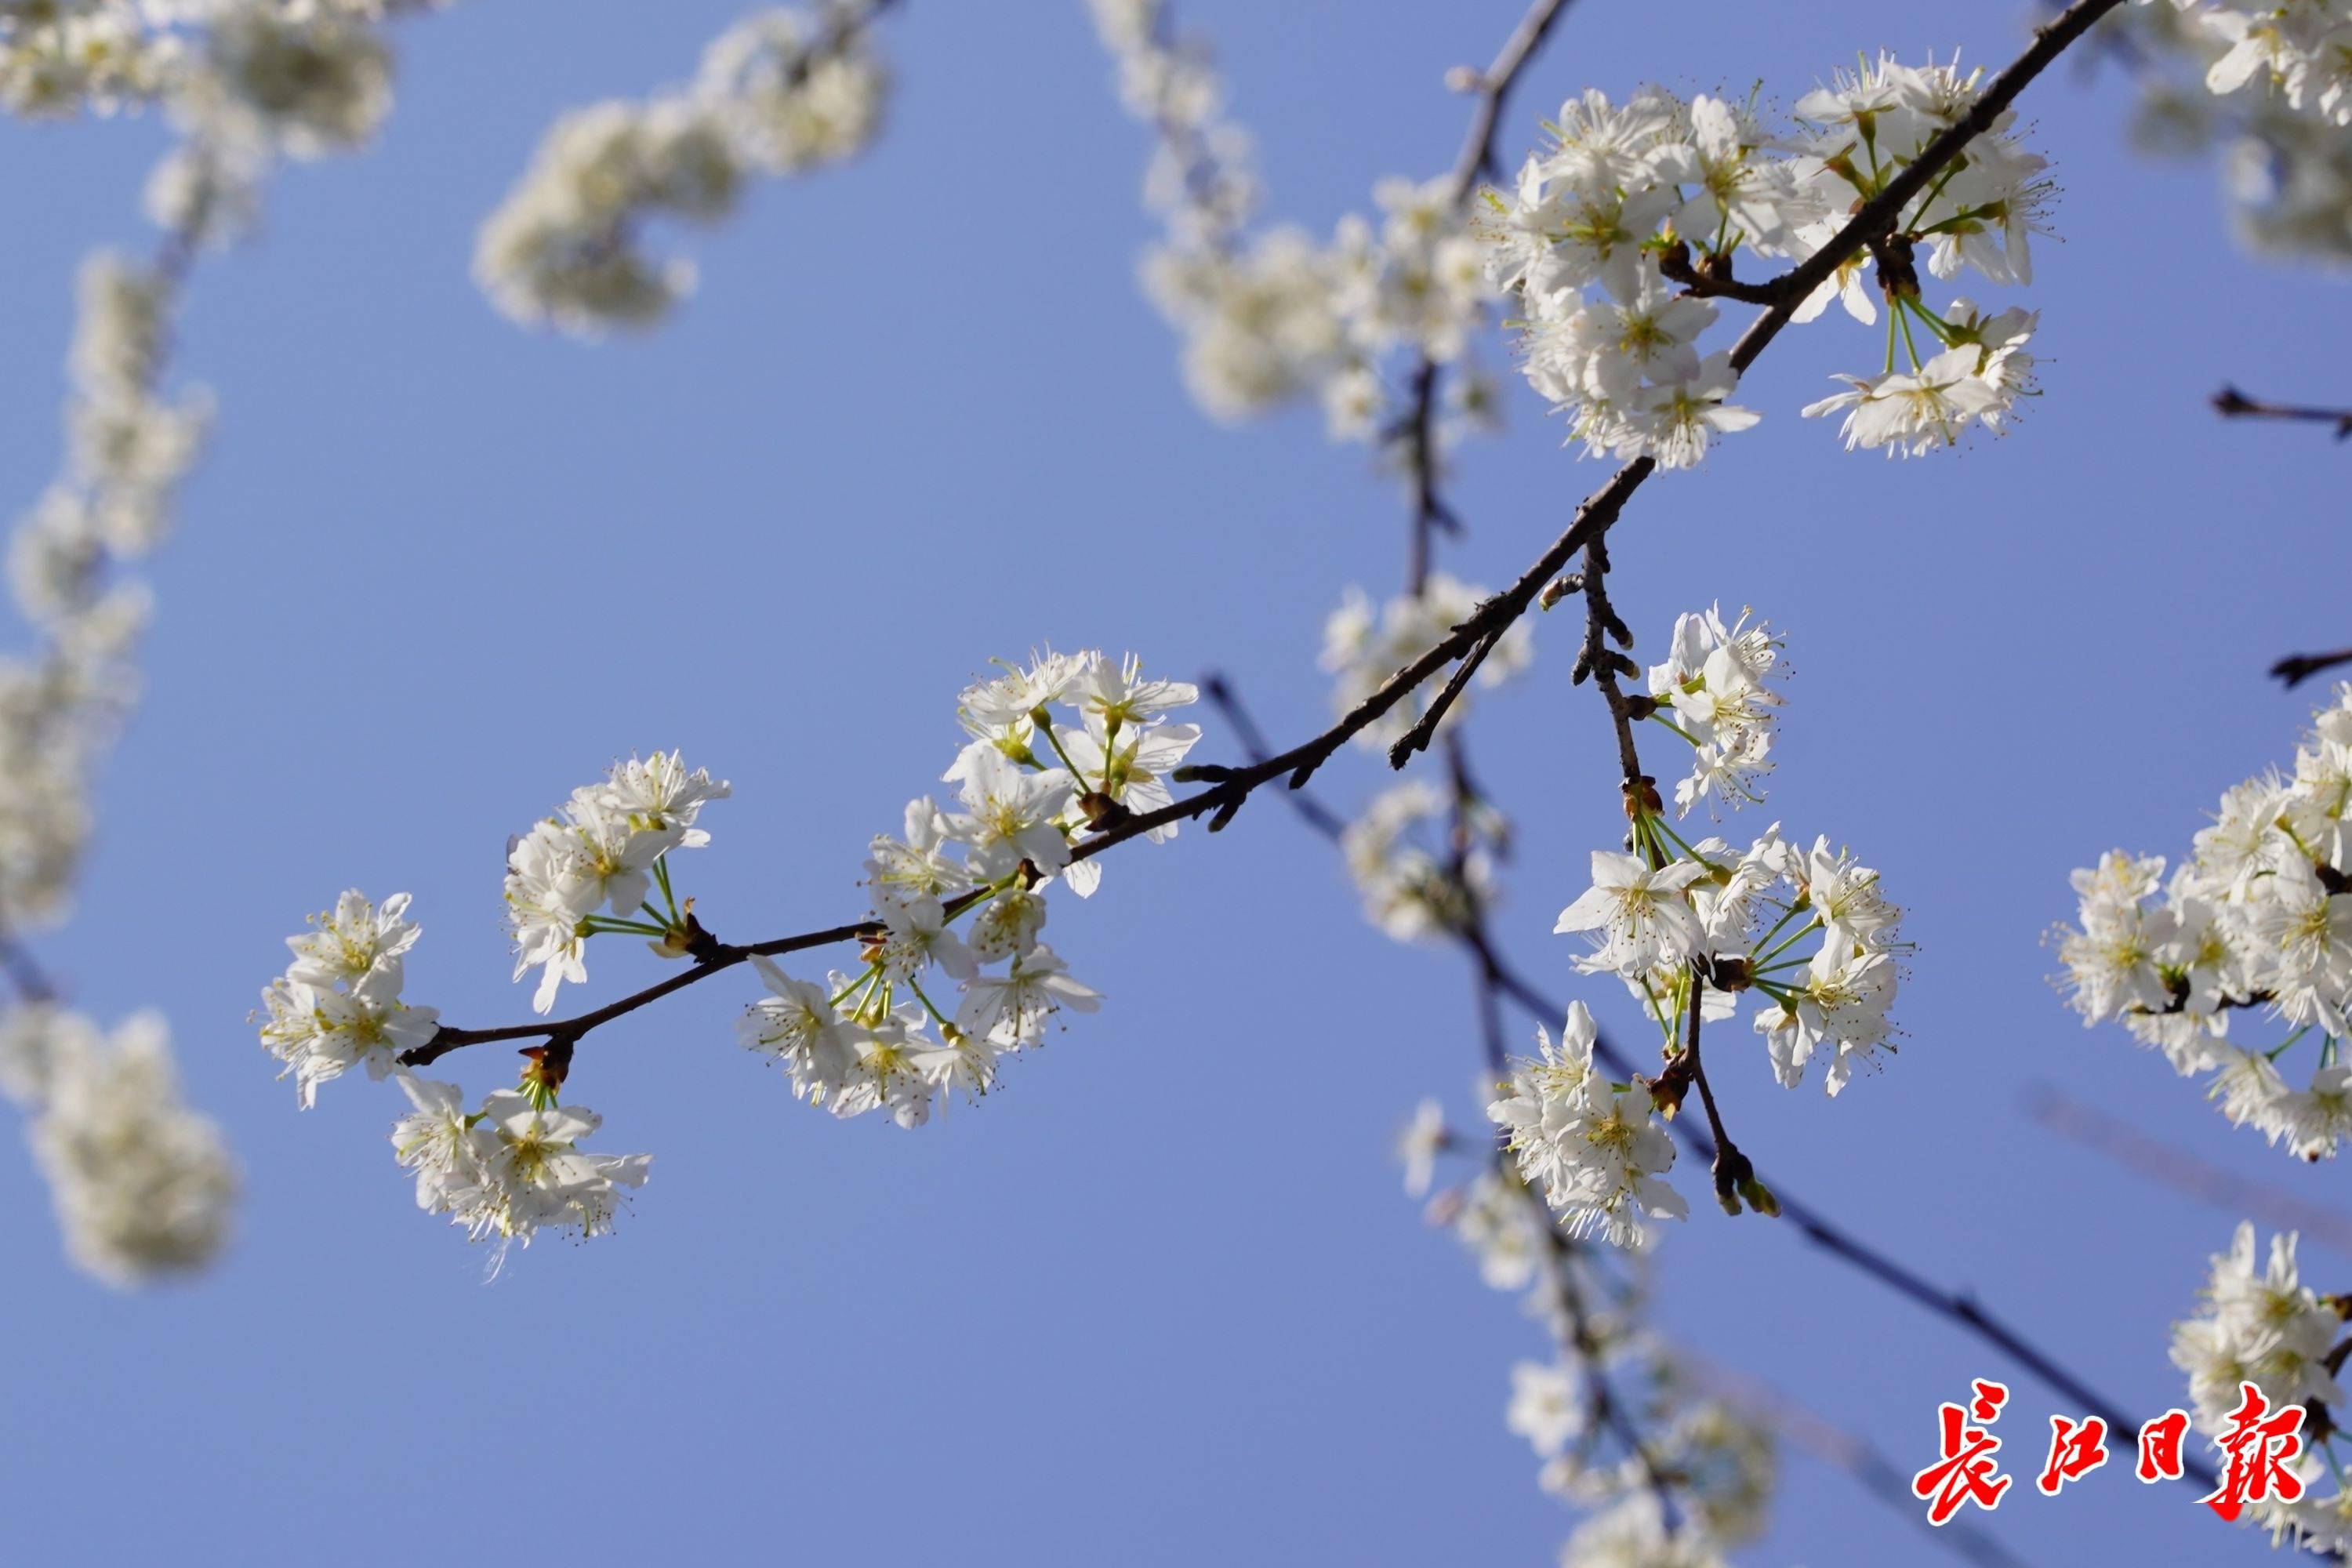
x,y
2168,1164
1492,87
1417,431
2231,403
25,972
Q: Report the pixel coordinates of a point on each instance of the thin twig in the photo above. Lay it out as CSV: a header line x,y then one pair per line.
x,y
1711,274
1418,430
1597,661
2297,668
2231,403
1583,1340
1494,89
1417,738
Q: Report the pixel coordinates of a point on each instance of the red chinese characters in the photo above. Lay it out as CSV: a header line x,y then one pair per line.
x,y
2076,1448
2256,1449
1966,1472
2258,1453
2160,1447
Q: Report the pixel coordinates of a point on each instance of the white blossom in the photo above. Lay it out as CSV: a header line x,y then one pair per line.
x,y
1595,1152
338,1006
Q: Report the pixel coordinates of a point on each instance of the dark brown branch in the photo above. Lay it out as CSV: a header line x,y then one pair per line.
x,y
1417,738
2297,668
1418,432
716,957
1711,274
2231,403
1735,1177
1602,664
1219,801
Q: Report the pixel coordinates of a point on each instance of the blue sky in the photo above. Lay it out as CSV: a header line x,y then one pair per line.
x,y
1160,1299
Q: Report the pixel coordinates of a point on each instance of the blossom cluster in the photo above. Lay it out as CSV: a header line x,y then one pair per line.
x,y
778,93
1713,691
1273,315
1362,649
1591,1147
506,1170
1031,783
2260,1324
513,1167
1720,1463
142,1185
1675,918
1630,200
1671,917
61,57
594,866
246,81
338,1005
1423,863
1689,927
2271,85
2259,917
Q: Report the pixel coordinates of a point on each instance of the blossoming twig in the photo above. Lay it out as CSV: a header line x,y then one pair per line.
x,y
1954,1306
1229,787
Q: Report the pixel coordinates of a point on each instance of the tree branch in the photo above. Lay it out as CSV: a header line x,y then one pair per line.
x,y
1219,801
1494,89
1417,429
1417,738
2297,668
2231,403
1711,276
